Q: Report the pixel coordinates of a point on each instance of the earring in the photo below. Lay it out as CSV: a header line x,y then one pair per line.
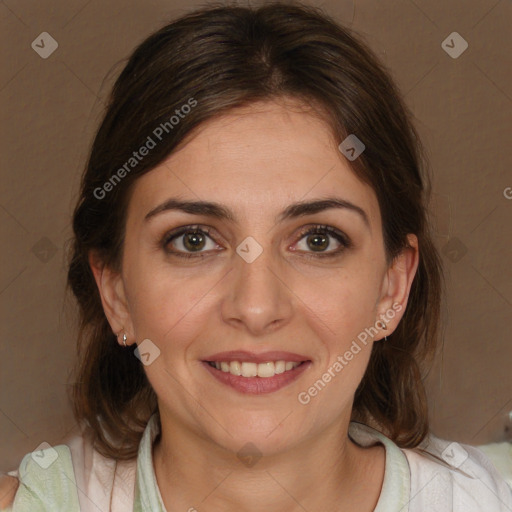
x,y
124,338
384,328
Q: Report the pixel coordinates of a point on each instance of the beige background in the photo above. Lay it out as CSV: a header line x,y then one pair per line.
x,y
50,108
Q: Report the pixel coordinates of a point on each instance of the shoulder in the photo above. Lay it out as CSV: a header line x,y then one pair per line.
x,y
8,487
454,476
500,455
62,477
105,483
71,477
44,481
442,475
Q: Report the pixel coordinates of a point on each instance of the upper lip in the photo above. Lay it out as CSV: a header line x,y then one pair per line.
x,y
252,357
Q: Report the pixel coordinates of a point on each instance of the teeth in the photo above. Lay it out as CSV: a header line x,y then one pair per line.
x,y
263,370
235,368
279,366
248,369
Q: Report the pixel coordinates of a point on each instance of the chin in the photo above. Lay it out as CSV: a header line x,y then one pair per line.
x,y
264,435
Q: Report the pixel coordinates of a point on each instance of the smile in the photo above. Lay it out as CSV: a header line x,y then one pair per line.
x,y
256,378
249,369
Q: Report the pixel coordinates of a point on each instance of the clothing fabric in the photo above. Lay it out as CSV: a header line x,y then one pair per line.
x,y
501,456
437,476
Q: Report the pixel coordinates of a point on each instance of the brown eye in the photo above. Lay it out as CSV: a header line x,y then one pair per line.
x,y
188,240
318,241
193,240
319,238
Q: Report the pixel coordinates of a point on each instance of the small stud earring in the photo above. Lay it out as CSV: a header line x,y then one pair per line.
x,y
124,338
385,328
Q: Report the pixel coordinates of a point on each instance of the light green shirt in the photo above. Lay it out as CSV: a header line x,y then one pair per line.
x,y
413,480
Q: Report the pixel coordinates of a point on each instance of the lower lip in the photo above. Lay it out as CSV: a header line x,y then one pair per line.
x,y
258,385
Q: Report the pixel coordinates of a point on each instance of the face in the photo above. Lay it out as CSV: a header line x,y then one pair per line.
x,y
304,285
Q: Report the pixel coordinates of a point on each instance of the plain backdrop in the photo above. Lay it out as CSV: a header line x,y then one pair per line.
x,y
51,106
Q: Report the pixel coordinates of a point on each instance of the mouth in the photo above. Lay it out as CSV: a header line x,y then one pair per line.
x,y
247,369
256,374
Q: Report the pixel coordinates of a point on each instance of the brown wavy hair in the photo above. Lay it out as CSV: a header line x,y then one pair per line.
x,y
227,56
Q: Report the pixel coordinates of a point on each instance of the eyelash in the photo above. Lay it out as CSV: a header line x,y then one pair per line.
x,y
316,229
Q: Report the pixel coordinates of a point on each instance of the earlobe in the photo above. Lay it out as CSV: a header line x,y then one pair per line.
x,y
111,288
397,284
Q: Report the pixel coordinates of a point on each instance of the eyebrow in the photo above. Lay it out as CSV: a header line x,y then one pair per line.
x,y
218,211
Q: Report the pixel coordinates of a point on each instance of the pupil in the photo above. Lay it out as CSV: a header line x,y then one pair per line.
x,y
193,240
317,237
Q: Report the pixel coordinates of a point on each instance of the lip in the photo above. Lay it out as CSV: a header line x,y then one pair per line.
x,y
258,385
253,357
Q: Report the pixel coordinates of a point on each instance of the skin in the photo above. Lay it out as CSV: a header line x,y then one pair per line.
x,y
8,487
256,161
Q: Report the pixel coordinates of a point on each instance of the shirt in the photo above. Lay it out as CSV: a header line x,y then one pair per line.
x,y
437,476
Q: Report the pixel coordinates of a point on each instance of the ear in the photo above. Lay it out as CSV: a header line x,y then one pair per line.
x,y
396,286
113,298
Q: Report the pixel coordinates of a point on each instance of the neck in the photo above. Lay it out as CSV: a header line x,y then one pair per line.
x,y
328,472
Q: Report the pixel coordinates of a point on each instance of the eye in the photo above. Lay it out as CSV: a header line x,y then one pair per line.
x,y
188,241
318,239
192,241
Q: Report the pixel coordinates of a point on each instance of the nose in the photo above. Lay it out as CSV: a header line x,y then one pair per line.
x,y
257,298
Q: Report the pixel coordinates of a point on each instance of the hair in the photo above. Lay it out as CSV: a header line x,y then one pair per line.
x,y
223,57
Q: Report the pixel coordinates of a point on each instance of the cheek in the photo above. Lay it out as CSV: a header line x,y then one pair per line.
x,y
344,302
165,304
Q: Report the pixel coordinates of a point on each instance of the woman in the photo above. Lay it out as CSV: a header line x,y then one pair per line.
x,y
258,287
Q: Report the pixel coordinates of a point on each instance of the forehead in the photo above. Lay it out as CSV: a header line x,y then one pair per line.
x,y
257,160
